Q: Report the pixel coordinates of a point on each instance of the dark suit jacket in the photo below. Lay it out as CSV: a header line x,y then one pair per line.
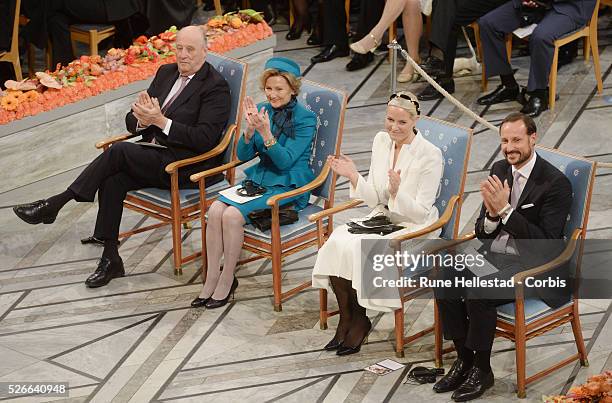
x,y
550,192
199,116
578,10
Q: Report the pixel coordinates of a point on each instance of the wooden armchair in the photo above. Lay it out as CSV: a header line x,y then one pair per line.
x,y
329,105
12,55
527,318
176,206
454,142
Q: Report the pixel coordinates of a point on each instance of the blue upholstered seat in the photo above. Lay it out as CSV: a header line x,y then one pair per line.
x,y
327,105
579,172
91,27
232,71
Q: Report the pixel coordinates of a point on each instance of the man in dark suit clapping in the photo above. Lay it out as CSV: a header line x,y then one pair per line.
x,y
181,115
525,198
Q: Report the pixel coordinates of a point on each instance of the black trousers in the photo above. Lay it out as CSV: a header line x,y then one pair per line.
x,y
334,24
123,167
498,23
447,18
68,12
471,313
370,12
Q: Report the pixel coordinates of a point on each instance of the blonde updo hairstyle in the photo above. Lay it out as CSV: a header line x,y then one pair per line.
x,y
294,82
406,100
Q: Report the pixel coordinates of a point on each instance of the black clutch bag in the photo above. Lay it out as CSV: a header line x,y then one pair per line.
x,y
262,219
380,225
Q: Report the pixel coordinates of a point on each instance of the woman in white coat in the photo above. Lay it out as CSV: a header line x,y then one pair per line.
x,y
402,183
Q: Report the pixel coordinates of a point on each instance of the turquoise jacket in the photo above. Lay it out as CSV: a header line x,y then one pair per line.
x,y
286,163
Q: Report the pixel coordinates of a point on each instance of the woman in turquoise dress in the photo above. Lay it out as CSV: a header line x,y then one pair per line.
x,y
281,132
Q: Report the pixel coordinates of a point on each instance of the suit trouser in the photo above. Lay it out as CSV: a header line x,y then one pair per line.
x,y
334,24
448,17
370,12
498,23
123,167
470,313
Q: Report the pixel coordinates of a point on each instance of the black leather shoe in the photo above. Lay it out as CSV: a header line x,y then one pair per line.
x,y
36,212
476,383
330,53
294,33
456,375
432,66
359,61
314,39
499,95
333,345
218,303
199,302
347,350
430,93
535,106
105,272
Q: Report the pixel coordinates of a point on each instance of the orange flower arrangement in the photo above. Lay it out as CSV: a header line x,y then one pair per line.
x,y
9,103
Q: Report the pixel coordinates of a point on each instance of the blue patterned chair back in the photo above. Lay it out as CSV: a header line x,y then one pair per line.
x,y
329,105
581,173
235,72
454,142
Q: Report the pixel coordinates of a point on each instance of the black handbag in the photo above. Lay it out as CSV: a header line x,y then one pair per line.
x,y
262,219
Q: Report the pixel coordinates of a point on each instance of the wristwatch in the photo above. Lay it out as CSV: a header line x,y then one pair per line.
x,y
494,219
269,143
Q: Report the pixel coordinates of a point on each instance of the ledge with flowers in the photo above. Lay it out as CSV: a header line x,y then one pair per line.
x,y
53,120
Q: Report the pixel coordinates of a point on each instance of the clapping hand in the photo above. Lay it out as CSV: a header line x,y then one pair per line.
x,y
250,110
148,111
530,4
344,166
394,181
495,194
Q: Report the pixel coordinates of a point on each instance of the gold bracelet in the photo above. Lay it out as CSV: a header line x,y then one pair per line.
x,y
269,143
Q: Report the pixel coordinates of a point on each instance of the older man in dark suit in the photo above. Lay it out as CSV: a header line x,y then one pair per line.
x,y
554,18
524,198
181,115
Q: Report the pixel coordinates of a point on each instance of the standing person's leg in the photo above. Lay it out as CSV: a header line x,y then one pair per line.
x,y
494,27
335,38
369,14
443,16
301,20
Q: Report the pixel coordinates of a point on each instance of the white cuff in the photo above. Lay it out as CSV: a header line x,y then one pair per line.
x,y
504,220
140,127
167,127
490,226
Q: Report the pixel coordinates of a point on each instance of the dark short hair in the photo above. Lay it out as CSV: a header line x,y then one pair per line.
x,y
527,120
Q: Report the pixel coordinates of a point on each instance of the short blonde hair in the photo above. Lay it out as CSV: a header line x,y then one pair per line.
x,y
406,100
294,82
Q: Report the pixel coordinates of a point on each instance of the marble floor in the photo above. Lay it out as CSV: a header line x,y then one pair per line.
x,y
138,340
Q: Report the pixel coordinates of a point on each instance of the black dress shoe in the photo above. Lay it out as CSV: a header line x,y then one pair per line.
x,y
333,345
430,93
347,350
314,39
359,61
535,106
106,271
456,375
330,53
432,66
499,95
36,213
294,33
218,303
199,302
476,383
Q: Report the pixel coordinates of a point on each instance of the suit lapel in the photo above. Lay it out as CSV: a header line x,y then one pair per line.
x,y
531,182
169,83
192,86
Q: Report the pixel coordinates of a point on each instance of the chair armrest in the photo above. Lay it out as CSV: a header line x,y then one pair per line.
x,y
440,222
334,210
563,257
274,200
216,170
105,143
221,147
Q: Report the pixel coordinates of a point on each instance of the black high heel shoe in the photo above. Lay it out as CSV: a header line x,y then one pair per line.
x,y
314,39
346,350
199,302
332,345
214,303
294,33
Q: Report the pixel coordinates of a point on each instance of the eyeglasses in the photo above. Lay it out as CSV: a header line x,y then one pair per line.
x,y
406,97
